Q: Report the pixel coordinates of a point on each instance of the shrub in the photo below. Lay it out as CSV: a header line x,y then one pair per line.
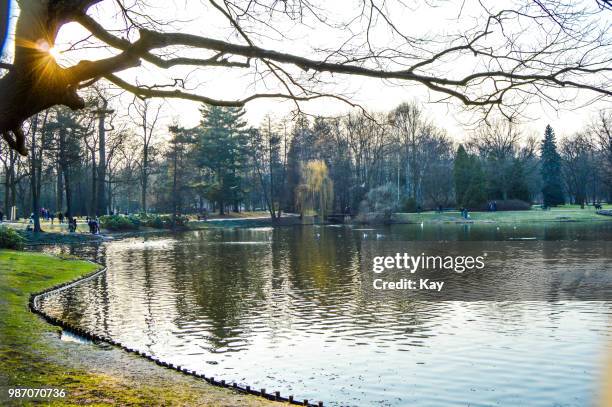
x,y
132,222
10,239
379,205
119,222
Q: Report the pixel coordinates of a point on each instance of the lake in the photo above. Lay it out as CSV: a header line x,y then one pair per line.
x,y
293,309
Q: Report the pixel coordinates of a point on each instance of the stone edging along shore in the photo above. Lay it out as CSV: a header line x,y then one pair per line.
x,y
33,304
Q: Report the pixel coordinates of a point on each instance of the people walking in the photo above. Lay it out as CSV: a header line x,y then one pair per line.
x,y
72,225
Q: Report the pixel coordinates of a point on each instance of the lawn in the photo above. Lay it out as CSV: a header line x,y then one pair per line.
x,y
32,355
566,213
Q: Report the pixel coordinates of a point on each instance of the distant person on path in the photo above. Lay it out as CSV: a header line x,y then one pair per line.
x,y
51,217
72,225
60,217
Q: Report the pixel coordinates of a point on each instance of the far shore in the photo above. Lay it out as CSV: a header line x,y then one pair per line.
x,y
56,233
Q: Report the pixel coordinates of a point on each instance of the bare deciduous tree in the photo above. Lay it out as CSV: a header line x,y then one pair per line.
x,y
149,116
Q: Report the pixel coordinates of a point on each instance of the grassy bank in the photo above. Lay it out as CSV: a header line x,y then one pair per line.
x,y
567,213
32,355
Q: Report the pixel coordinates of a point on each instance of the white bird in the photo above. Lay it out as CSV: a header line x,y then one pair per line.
x,y
365,235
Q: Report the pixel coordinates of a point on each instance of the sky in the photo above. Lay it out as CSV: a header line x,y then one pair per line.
x,y
412,18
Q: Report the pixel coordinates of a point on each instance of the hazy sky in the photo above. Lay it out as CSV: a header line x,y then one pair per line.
x,y
416,19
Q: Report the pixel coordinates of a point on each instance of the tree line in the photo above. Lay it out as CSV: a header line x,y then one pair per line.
x,y
92,162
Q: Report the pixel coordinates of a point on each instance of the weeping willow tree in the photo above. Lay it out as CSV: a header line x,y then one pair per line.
x,y
316,190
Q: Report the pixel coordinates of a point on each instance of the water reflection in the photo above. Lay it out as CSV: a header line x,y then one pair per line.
x,y
291,309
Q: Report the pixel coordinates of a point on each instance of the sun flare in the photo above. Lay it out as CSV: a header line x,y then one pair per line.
x,y
55,53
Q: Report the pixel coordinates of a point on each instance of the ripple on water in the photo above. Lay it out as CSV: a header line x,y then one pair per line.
x,y
292,314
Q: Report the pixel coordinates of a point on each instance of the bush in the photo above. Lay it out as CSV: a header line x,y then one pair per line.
x,y
10,239
379,205
162,221
119,222
132,222
506,205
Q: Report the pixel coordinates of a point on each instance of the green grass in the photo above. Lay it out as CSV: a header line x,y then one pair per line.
x,y
31,355
566,213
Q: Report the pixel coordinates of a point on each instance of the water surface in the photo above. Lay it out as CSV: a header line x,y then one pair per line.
x,y
292,309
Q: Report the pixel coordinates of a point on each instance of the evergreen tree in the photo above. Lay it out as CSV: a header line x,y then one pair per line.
x,y
221,148
552,189
518,182
470,185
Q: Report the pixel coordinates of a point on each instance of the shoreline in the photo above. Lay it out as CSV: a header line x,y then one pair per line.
x,y
400,218
95,371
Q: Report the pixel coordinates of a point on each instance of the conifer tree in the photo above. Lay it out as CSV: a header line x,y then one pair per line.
x,y
552,187
222,149
469,179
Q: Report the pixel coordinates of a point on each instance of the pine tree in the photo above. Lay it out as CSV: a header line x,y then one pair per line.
x,y
552,189
469,179
222,149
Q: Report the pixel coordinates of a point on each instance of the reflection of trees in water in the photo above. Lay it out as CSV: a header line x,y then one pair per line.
x,y
225,285
304,278
221,295
87,304
149,297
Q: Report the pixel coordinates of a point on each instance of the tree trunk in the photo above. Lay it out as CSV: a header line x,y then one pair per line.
x,y
94,185
174,189
34,174
109,195
143,194
13,200
65,171
101,189
9,182
68,188
6,192
144,178
59,197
